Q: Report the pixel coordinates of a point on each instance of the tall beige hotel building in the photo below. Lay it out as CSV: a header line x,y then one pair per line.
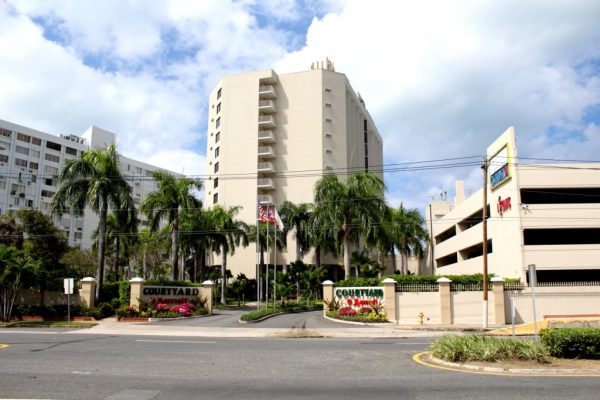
x,y
272,137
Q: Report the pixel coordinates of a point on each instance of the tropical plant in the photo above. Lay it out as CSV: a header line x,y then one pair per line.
x,y
148,254
367,268
166,202
351,208
11,233
228,234
297,216
409,234
94,180
16,270
80,262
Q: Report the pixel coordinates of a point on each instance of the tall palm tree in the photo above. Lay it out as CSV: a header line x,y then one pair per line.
x,y
297,216
165,203
229,233
410,234
121,230
94,180
352,208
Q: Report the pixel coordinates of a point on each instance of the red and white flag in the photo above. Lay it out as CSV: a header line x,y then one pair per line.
x,y
274,217
262,215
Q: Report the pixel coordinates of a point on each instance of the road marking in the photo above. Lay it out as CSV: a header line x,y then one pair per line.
x,y
417,358
3,346
173,341
81,373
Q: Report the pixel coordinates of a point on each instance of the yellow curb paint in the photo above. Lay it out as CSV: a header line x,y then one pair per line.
x,y
3,345
417,358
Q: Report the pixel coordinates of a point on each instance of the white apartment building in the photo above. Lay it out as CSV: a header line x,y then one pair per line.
x,y
29,164
271,137
542,214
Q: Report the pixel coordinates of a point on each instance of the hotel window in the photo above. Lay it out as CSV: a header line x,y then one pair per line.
x,y
216,183
50,170
3,158
219,93
49,182
218,108
53,146
52,157
216,167
33,178
36,141
47,193
22,150
215,198
218,123
2,184
217,137
23,138
33,165
5,132
217,152
138,170
71,151
20,163
34,153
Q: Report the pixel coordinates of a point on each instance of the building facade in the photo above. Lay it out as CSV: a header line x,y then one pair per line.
x,y
272,137
547,215
30,161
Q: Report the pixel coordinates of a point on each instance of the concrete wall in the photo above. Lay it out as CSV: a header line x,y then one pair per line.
x,y
411,304
34,297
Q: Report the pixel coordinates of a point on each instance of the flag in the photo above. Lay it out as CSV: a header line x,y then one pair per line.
x,y
262,215
274,217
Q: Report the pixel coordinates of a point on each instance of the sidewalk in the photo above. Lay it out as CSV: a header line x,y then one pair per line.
x,y
111,326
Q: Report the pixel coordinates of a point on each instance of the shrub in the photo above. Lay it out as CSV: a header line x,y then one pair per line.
x,y
346,311
258,314
333,304
486,348
105,310
572,342
127,312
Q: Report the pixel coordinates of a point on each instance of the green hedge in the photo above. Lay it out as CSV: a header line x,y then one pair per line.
x,y
572,342
418,279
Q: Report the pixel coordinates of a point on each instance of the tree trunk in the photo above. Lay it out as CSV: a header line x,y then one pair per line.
x,y
298,256
174,260
346,245
318,256
202,264
393,260
223,273
116,263
144,264
101,246
195,273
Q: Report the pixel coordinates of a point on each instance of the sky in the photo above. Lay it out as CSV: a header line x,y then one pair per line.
x,y
441,79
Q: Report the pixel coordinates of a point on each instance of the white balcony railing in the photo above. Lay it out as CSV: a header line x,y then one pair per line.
x,y
265,183
266,121
267,92
266,199
266,151
267,106
265,167
266,136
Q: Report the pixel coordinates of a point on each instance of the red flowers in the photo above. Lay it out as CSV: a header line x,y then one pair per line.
x,y
346,311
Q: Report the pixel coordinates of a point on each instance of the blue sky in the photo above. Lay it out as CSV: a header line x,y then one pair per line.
x,y
441,79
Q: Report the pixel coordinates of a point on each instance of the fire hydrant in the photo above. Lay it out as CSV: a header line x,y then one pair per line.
x,y
421,315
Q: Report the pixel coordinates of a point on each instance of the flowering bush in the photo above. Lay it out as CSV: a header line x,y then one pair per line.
x,y
181,309
364,310
161,307
346,311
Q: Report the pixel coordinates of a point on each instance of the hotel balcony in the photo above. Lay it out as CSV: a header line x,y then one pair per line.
x,y
266,106
266,152
267,92
266,137
266,199
265,183
266,121
265,167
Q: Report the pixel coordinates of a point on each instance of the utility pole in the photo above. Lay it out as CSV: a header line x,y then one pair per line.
x,y
484,167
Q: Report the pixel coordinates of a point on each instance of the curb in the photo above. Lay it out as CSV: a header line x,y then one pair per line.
x,y
177,319
254,321
378,324
437,363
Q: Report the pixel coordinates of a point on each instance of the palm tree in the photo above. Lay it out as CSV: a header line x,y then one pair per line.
x,y
298,217
165,203
410,235
229,233
16,270
94,180
352,208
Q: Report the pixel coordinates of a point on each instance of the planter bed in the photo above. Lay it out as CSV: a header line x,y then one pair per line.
x,y
50,318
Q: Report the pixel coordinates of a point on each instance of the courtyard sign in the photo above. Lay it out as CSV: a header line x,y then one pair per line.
x,y
359,296
170,294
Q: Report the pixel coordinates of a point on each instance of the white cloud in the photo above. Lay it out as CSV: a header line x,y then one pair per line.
x,y
443,79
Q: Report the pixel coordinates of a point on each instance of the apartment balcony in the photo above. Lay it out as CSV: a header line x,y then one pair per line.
x,y
266,152
266,137
265,183
266,199
266,121
266,106
265,167
267,92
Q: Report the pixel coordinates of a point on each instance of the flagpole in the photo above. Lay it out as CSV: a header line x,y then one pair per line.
x,y
268,262
257,259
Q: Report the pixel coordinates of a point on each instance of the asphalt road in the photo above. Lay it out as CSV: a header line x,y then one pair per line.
x,y
54,365
230,318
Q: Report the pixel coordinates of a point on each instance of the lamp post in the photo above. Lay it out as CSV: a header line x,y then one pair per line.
x,y
484,167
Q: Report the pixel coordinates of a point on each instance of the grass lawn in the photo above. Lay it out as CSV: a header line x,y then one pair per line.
x,y
47,324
